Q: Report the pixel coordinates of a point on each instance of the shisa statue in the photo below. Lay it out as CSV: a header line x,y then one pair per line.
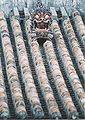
x,y
41,21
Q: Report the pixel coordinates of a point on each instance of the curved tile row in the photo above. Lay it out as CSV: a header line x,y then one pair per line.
x,y
59,81
11,69
79,25
4,109
43,81
41,72
68,65
75,46
28,81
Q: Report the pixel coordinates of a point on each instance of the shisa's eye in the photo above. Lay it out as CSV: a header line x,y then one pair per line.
x,y
37,16
46,17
